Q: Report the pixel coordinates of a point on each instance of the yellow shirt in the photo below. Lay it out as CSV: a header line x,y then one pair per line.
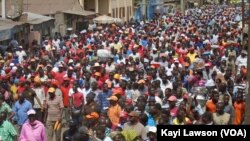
x,y
191,57
13,89
118,47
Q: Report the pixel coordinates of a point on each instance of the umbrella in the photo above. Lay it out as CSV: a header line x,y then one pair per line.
x,y
104,19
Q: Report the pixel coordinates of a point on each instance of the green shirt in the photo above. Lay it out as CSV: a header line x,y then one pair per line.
x,y
5,108
7,131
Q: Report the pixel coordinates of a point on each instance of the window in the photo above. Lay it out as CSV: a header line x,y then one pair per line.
x,y
113,12
120,13
128,16
123,11
116,11
130,10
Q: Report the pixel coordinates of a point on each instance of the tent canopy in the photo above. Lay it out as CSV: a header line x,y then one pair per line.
x,y
105,19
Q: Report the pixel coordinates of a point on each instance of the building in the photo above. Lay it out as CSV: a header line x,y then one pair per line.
x,y
76,18
12,30
122,9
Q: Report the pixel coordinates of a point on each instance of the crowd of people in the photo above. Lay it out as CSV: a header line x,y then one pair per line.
x,y
117,82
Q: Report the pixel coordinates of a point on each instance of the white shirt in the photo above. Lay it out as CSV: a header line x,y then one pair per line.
x,y
240,61
40,93
20,55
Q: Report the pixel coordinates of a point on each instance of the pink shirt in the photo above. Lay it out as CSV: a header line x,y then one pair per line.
x,y
33,133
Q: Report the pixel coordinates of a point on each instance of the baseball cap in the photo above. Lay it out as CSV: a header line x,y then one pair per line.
x,y
134,114
172,98
114,98
152,129
51,90
93,115
31,112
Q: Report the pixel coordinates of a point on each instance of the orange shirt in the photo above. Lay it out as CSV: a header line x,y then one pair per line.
x,y
239,110
211,106
114,114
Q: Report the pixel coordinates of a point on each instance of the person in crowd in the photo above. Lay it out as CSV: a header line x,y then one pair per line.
x,y
20,108
33,129
239,110
135,125
220,117
54,108
7,130
114,111
69,134
4,107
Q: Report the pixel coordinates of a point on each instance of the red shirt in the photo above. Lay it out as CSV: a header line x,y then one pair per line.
x,y
20,90
77,99
59,77
65,93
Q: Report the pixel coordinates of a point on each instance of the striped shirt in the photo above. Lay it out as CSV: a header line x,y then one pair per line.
x,y
54,108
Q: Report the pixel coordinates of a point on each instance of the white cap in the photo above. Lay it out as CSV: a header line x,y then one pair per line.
x,y
152,129
12,64
31,112
199,97
71,61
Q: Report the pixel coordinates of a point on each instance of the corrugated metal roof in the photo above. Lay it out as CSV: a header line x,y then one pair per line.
x,y
76,9
36,18
8,24
81,13
44,7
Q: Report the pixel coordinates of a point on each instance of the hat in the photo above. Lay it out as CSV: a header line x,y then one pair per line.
x,y
244,51
60,65
113,98
51,90
134,114
71,61
93,115
207,65
32,60
22,79
96,65
31,112
172,98
66,79
97,74
141,81
117,76
176,61
70,68
152,129
12,64
199,97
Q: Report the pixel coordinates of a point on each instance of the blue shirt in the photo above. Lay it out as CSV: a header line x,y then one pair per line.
x,y
21,110
102,99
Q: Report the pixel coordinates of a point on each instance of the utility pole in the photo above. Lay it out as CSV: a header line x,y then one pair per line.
x,y
247,114
243,13
183,5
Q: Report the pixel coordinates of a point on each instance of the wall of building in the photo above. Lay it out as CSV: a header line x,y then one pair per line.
x,y
89,5
60,24
122,9
103,6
